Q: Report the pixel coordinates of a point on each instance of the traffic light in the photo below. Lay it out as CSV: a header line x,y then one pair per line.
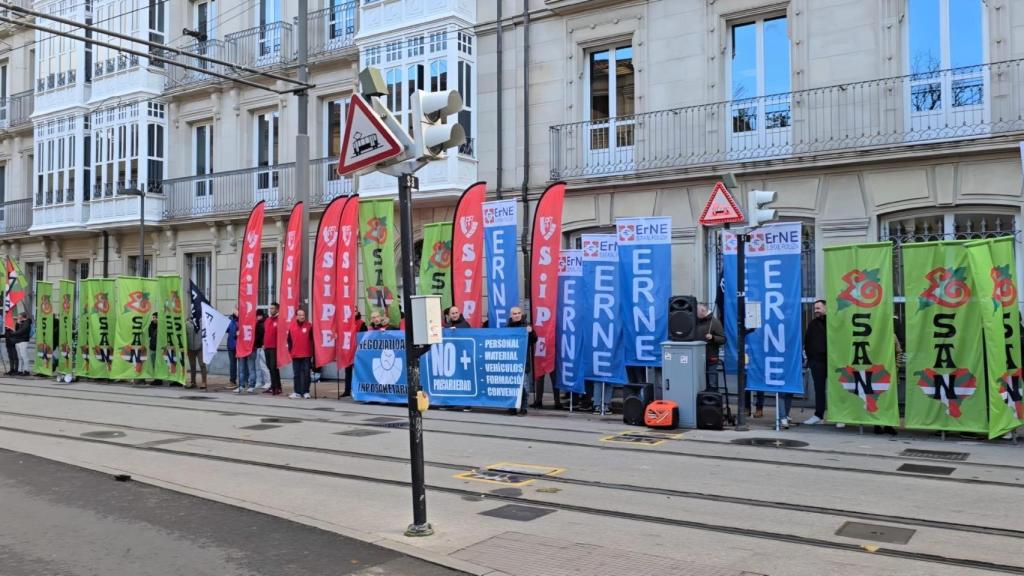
x,y
756,215
431,135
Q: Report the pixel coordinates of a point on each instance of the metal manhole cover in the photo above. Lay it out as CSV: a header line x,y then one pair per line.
x,y
495,477
922,469
770,442
103,434
361,432
260,427
399,424
196,397
875,532
279,420
517,512
935,454
383,420
634,439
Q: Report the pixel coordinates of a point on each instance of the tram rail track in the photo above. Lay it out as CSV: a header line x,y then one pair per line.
x,y
564,506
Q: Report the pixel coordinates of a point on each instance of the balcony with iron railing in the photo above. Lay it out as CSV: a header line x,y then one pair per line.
x,y
15,216
263,46
234,193
332,29
961,104
178,77
16,111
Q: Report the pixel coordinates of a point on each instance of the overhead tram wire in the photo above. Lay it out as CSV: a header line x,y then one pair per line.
x,y
156,45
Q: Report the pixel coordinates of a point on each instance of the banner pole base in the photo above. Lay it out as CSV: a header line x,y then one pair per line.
x,y
419,530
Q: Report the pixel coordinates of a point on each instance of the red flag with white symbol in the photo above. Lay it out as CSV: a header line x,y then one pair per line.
x,y
547,247
347,278
249,281
468,254
289,298
325,274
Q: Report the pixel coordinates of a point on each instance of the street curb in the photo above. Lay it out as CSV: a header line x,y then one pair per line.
x,y
369,538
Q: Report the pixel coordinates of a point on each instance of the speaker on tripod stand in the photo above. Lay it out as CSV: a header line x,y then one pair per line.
x,y
682,318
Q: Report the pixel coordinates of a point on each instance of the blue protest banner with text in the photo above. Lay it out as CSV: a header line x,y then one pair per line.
x,y
476,367
604,358
571,322
645,273
379,372
773,282
502,264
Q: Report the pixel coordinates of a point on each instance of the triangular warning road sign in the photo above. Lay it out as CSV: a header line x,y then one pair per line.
x,y
721,208
367,140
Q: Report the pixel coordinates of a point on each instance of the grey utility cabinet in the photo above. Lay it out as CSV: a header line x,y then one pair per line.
x,y
683,375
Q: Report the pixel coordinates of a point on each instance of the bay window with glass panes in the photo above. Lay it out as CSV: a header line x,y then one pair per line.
x,y
127,149
56,142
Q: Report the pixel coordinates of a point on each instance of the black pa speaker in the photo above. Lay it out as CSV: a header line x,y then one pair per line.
x,y
682,318
637,397
709,411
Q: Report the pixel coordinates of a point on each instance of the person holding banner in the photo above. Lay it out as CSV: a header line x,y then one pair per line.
x,y
300,346
454,318
361,327
516,320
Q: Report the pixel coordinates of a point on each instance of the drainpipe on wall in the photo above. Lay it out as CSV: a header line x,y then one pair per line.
x,y
497,175
526,140
106,253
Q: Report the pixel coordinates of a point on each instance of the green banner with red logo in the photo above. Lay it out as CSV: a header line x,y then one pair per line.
x,y
436,262
169,358
83,349
100,303
44,328
377,250
1004,260
862,373
137,300
995,291
945,361
66,335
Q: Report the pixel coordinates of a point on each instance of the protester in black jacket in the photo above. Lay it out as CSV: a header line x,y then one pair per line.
x,y
348,369
154,353
816,350
12,353
516,319
455,319
22,334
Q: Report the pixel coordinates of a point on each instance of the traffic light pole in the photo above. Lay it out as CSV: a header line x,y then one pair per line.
x,y
420,527
741,331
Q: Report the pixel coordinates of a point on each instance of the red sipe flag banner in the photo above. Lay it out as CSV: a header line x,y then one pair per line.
x,y
347,277
468,254
546,249
289,297
325,284
249,281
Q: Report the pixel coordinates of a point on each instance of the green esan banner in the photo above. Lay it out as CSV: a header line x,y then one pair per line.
x,y
436,262
170,356
992,284
945,359
84,332
100,301
136,302
44,328
65,340
862,373
1004,274
377,251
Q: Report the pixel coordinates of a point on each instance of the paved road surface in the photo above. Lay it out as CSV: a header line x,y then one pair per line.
x,y
60,520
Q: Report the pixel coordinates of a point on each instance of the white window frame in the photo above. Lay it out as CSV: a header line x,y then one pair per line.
x,y
190,265
613,154
202,192
267,176
761,137
921,124
211,17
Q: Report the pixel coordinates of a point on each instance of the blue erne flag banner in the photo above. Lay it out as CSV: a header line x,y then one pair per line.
x,y
604,357
728,287
775,350
645,274
379,373
476,367
502,264
572,323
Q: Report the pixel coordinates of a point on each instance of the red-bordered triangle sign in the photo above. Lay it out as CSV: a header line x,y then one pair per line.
x,y
367,140
721,208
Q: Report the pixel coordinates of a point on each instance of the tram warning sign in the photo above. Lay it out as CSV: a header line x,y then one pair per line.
x,y
367,141
721,208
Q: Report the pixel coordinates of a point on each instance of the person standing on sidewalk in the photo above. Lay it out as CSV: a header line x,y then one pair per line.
x,y
300,345
262,374
348,369
232,346
270,328
709,330
12,352
517,320
194,340
22,334
154,352
816,350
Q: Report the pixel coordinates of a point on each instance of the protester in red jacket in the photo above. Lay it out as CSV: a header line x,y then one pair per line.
x,y
300,345
270,349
